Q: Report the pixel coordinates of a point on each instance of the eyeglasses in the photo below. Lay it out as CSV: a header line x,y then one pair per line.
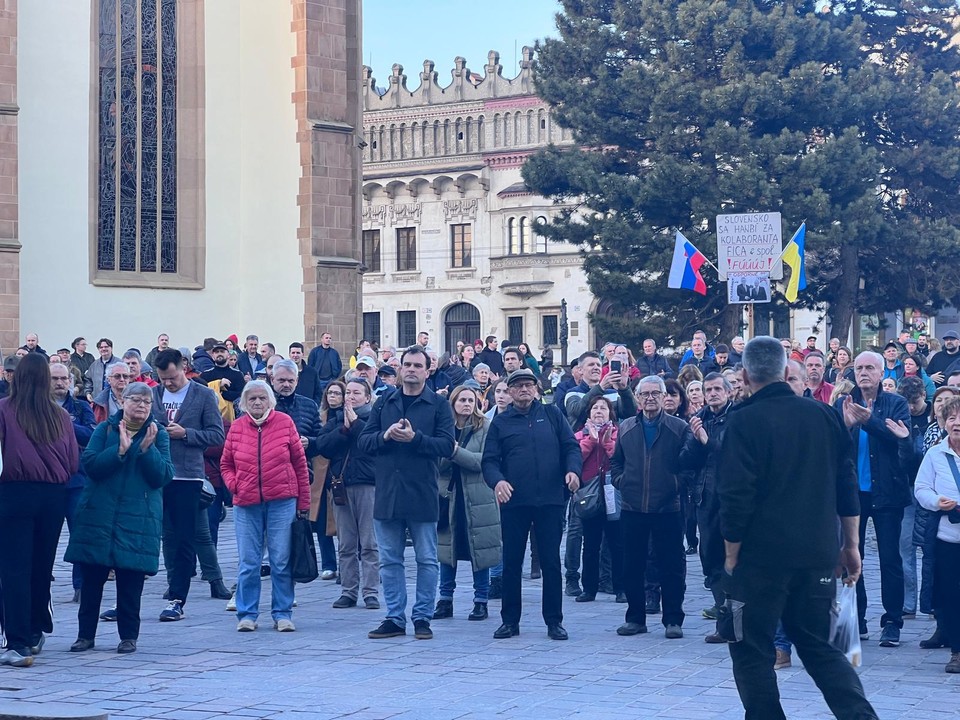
x,y
334,392
138,400
652,394
119,376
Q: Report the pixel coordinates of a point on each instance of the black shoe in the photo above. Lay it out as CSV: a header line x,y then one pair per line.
x,y
692,550
573,588
421,630
264,571
535,573
76,595
218,591
371,603
344,602
444,610
387,629
82,645
109,615
556,632
507,630
586,597
652,607
621,597
127,646
496,588
605,589
934,642
479,612
631,628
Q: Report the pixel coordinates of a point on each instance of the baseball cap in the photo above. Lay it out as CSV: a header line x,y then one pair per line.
x,y
386,370
11,362
891,344
219,346
951,335
366,360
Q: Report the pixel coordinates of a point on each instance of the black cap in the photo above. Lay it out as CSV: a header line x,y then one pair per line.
x,y
520,375
891,344
387,370
218,345
11,362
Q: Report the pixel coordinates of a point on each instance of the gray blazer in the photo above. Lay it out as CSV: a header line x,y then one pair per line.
x,y
200,417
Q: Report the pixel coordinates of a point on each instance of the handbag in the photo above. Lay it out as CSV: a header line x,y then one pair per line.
x,y
337,488
589,500
208,493
303,552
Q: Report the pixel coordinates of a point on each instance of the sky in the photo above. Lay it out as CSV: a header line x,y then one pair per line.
x,y
411,31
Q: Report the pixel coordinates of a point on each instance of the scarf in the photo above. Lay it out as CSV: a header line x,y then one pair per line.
x,y
134,428
262,420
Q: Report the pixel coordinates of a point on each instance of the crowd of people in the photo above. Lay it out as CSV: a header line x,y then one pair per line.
x,y
627,464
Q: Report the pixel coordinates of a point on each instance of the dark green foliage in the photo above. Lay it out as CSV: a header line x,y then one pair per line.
x,y
847,119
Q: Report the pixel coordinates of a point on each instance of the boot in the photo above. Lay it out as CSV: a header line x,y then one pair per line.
x,y
479,611
444,610
218,591
496,588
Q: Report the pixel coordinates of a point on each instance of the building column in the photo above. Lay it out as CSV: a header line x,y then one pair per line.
x,y
327,100
9,210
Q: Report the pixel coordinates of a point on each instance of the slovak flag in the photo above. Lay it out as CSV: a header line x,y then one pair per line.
x,y
685,268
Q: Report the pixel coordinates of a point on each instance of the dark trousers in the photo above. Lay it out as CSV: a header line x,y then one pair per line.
x,y
73,500
886,523
595,530
547,521
712,550
665,532
574,545
204,546
803,599
689,509
181,503
946,591
328,552
31,517
129,590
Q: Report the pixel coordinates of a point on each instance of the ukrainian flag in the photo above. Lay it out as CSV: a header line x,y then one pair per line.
x,y
793,256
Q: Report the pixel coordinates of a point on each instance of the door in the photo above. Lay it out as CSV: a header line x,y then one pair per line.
x,y
460,322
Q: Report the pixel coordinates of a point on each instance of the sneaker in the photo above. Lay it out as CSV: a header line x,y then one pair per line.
x,y
328,575
864,633
16,659
954,665
246,625
783,660
232,603
711,613
284,625
387,629
673,632
109,615
173,611
421,630
371,603
344,601
573,588
890,637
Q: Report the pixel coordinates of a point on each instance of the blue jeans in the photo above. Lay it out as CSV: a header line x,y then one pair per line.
x,y
780,639
908,555
391,539
448,583
497,570
272,519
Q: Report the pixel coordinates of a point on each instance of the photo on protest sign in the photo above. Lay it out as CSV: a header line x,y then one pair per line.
x,y
743,289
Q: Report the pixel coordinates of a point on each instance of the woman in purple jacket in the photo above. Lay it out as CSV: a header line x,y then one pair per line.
x,y
40,453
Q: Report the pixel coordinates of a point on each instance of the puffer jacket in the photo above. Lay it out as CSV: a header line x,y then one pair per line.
x,y
336,441
306,416
482,512
266,462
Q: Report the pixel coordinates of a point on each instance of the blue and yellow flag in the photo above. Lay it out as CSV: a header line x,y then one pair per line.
x,y
793,257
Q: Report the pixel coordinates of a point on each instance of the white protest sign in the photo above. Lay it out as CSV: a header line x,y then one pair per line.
x,y
749,243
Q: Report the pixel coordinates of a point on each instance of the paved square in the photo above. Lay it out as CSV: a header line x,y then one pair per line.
x,y
202,668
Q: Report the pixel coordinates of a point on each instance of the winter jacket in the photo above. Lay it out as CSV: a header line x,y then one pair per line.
x,y
493,360
890,488
596,453
200,417
234,390
306,416
577,400
407,471
338,443
943,362
705,365
81,362
532,451
327,363
24,461
309,385
101,406
265,462
654,366
93,378
650,481
481,511
83,426
120,514
704,489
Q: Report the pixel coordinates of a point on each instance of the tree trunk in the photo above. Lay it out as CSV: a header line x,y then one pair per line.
x,y
731,322
843,307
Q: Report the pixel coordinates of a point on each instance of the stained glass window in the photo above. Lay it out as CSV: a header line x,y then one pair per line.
x,y
137,107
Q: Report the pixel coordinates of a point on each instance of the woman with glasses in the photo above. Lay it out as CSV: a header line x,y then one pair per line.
x,y
119,516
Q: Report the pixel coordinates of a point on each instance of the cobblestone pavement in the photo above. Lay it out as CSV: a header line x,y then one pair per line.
x,y
202,668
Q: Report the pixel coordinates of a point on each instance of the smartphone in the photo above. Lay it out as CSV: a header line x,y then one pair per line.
x,y
616,366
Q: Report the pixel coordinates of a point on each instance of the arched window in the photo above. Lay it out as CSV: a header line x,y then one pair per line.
x,y
513,238
524,235
541,241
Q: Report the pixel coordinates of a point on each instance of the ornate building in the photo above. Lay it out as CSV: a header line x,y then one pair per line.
x,y
448,224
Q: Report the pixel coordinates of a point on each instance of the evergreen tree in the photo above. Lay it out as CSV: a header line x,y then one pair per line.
x,y
843,114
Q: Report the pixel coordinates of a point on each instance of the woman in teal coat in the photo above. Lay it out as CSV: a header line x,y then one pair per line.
x,y
120,513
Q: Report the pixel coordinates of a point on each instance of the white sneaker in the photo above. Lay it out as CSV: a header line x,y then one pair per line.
x,y
328,575
232,603
284,625
246,625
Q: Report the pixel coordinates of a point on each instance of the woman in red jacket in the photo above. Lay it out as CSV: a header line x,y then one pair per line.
x,y
265,468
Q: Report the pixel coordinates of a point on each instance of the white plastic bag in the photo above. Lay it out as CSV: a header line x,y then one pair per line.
x,y
611,498
846,634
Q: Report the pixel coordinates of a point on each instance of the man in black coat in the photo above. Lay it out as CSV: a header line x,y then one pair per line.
x,y
325,359
409,430
786,473
231,380
308,382
491,356
531,460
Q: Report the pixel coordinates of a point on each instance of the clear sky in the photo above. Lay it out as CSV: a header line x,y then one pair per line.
x,y
411,31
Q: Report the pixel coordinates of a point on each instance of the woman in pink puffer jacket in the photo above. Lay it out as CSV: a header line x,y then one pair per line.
x,y
265,468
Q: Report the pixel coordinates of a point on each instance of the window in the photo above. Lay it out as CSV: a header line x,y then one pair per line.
x,y
541,241
137,110
461,242
514,330
371,327
524,235
406,249
406,328
371,252
550,330
513,237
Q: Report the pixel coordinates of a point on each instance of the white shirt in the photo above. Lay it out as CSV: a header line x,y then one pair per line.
x,y
173,400
935,480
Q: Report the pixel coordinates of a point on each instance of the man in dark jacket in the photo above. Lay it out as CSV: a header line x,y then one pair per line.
x,y
409,430
531,460
325,359
652,362
786,473
879,424
231,380
491,356
248,361
308,382
32,344
652,449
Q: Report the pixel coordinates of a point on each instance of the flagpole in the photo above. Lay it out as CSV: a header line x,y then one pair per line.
x,y
780,256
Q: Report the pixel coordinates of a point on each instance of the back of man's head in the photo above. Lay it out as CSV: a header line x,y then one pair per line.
x,y
764,360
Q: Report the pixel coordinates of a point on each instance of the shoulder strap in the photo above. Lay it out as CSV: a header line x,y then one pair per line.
x,y
954,469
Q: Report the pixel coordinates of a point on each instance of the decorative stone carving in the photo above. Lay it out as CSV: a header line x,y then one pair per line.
x,y
463,209
405,213
375,214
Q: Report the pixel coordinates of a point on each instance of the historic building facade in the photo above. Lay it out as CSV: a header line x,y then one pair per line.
x,y
448,238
